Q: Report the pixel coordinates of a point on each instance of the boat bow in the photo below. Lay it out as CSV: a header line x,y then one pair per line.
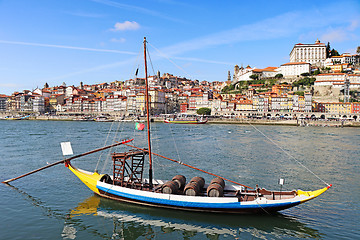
x,y
312,194
88,178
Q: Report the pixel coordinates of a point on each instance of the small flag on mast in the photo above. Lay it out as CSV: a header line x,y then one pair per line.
x,y
139,126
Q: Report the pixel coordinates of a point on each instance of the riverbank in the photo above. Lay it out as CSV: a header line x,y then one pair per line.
x,y
316,123
303,123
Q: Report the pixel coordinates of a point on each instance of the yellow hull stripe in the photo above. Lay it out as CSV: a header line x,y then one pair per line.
x,y
312,194
90,180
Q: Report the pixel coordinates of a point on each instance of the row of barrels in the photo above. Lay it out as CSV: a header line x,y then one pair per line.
x,y
194,187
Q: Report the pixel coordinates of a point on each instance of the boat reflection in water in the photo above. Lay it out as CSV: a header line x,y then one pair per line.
x,y
134,221
101,218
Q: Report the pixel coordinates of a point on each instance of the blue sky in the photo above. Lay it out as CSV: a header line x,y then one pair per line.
x,y
97,41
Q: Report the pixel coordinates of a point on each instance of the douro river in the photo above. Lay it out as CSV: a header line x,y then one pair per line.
x,y
54,204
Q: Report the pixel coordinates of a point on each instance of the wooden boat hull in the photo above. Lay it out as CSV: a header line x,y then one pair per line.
x,y
236,208
191,203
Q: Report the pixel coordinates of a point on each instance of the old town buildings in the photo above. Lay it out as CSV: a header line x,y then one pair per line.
x,y
172,94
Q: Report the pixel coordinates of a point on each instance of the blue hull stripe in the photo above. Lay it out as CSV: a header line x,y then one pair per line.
x,y
231,205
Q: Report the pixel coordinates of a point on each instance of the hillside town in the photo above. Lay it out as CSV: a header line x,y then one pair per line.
x,y
316,82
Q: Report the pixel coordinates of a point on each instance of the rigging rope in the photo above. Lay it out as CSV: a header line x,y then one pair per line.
x,y
136,66
177,151
108,155
163,54
107,137
176,148
152,67
151,125
291,156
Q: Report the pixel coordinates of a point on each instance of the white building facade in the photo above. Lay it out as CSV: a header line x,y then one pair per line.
x,y
314,54
292,69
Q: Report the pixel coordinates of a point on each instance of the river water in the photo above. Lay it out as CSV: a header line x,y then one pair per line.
x,y
54,204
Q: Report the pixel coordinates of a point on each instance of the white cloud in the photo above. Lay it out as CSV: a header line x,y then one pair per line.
x,y
67,47
127,25
335,35
351,50
9,85
341,33
137,9
272,28
94,69
118,40
353,25
278,27
85,14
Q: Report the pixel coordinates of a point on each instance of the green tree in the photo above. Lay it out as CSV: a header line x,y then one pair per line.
x,y
279,75
358,50
316,72
331,52
305,74
306,81
328,50
254,77
203,111
334,53
228,88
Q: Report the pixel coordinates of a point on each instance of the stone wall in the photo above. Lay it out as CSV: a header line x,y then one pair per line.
x,y
326,94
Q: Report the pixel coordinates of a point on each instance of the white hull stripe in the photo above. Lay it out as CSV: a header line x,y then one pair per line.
x,y
186,204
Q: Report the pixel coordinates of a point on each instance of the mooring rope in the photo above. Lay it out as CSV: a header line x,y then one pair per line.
x,y
291,156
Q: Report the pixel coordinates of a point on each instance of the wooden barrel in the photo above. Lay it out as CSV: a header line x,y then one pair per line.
x,y
219,181
215,190
180,180
199,180
192,189
170,187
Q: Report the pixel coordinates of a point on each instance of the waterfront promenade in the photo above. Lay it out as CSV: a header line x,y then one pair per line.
x,y
224,120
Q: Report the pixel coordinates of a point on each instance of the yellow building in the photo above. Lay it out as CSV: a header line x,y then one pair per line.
x,y
255,104
290,97
284,104
244,105
281,89
337,68
301,103
56,99
337,108
140,103
157,101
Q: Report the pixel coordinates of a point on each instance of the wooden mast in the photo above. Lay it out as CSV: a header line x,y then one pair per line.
x,y
148,117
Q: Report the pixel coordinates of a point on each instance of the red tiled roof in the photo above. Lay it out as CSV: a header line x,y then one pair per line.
x,y
294,63
328,74
329,81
